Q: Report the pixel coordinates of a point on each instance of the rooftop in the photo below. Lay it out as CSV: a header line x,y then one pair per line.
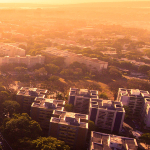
x,y
48,103
27,91
134,92
84,92
111,142
106,104
70,118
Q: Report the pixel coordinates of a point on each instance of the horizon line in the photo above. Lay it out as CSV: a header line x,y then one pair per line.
x,y
49,3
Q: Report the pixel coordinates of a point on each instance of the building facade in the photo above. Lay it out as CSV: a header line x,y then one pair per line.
x,y
138,102
26,95
146,112
42,110
69,58
107,114
28,60
69,127
80,99
11,50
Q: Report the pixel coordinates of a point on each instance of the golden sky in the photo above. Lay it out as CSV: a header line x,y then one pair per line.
x,y
62,1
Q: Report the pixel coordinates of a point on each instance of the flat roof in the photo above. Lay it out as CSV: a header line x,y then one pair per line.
x,y
70,118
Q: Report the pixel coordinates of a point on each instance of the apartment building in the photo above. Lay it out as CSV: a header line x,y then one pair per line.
x,y
134,99
107,114
28,60
91,63
69,127
146,112
42,110
80,99
26,95
102,141
8,49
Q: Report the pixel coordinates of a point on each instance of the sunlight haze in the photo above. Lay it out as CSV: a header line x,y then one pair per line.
x,y
62,1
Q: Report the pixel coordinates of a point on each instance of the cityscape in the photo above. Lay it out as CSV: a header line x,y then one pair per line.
x,y
75,75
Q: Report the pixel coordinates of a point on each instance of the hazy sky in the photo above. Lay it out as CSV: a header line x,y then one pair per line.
x,y
62,1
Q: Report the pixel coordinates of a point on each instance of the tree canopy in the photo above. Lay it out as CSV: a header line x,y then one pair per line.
x,y
20,126
10,107
49,143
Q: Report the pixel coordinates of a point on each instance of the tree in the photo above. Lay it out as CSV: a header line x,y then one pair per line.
x,y
127,111
103,95
51,68
20,69
69,107
21,126
10,107
49,143
114,72
53,78
144,68
145,137
40,72
91,125
59,96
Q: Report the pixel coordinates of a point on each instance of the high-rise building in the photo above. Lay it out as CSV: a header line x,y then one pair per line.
x,y
102,141
134,99
26,95
80,99
69,127
42,110
146,112
107,114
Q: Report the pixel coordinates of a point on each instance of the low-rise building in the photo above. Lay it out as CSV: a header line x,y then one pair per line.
x,y
42,110
69,58
28,60
26,95
107,114
102,141
69,127
8,49
80,99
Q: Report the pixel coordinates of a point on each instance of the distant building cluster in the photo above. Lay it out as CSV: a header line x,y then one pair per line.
x,y
72,127
138,102
28,60
50,114
106,114
69,58
12,54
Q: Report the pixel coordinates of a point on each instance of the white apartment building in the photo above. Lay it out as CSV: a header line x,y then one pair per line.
x,y
42,110
103,141
107,114
11,50
91,63
138,102
80,99
28,60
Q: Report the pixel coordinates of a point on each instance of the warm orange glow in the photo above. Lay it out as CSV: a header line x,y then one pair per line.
x,y
61,1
